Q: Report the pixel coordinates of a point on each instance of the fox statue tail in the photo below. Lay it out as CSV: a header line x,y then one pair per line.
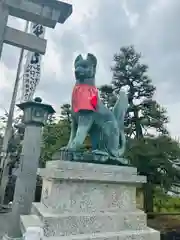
x,y
119,110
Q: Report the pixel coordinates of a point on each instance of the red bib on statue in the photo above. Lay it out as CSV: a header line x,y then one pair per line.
x,y
84,97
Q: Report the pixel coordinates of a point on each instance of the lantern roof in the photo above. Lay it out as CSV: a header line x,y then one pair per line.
x,y
36,103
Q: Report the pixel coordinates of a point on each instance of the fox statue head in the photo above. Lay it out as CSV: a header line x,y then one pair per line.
x,y
85,69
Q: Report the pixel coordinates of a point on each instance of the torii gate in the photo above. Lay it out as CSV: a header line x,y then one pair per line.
x,y
45,12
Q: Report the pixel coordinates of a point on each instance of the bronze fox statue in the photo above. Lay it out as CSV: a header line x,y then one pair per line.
x,y
91,116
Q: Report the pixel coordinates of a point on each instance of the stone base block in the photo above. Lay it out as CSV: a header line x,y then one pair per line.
x,y
91,201
86,187
74,224
148,234
75,167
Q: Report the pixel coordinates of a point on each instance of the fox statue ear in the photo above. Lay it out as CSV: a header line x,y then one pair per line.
x,y
92,59
78,58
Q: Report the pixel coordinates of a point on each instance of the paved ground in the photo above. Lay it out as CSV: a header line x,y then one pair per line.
x,y
4,221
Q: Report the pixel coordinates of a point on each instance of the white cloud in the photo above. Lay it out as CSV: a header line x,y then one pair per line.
x,y
6,76
174,118
133,17
158,6
6,86
51,61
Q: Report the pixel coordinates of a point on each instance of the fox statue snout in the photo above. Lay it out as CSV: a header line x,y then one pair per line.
x,y
80,73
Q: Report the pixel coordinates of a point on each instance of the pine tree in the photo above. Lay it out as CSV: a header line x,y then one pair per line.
x,y
144,112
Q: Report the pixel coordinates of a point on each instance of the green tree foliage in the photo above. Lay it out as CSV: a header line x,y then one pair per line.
x,y
165,203
66,113
154,158
14,145
55,134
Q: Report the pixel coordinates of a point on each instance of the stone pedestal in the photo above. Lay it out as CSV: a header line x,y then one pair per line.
x,y
90,201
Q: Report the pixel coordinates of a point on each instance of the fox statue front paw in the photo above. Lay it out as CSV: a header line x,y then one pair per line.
x,y
63,148
68,148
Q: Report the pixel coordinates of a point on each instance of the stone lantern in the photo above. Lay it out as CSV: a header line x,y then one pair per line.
x,y
35,112
35,116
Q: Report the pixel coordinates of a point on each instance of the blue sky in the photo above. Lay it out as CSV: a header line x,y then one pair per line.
x,y
102,27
